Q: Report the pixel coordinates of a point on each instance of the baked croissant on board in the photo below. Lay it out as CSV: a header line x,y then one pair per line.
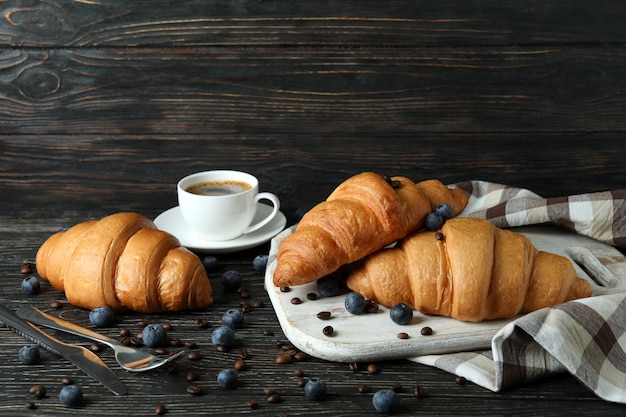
x,y
123,261
363,214
470,271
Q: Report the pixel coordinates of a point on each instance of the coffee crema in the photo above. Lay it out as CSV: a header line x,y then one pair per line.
x,y
218,187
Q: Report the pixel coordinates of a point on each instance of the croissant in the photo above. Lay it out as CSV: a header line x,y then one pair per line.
x,y
470,271
123,261
363,214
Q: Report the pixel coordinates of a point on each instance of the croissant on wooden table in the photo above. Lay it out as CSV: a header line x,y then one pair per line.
x,y
363,214
123,261
469,270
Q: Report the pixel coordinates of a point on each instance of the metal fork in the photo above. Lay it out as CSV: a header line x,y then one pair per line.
x,y
129,358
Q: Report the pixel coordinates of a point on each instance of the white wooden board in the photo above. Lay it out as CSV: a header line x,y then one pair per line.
x,y
368,337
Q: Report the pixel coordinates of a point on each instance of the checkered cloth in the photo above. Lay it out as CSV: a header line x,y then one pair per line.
x,y
584,337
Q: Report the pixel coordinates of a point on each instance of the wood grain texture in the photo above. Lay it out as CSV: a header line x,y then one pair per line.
x,y
105,105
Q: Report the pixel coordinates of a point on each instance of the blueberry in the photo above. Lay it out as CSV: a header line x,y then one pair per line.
x,y
355,303
102,317
154,335
315,389
231,279
30,285
259,263
71,395
444,210
227,378
434,221
29,355
401,313
233,318
327,286
210,263
224,336
386,401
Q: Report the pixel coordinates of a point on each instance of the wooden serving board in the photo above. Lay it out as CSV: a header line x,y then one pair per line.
x,y
368,337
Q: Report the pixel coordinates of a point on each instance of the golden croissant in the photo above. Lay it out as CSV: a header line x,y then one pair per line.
x,y
363,214
123,261
469,270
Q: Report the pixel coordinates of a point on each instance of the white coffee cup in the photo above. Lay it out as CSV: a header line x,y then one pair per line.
x,y
221,205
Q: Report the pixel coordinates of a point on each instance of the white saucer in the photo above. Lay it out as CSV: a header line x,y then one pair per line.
x,y
171,221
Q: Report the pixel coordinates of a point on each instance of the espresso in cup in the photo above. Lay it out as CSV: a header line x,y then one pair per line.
x,y
221,205
218,188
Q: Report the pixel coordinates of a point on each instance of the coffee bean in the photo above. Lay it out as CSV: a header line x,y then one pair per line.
x,y
96,347
439,236
268,332
142,324
67,380
190,344
257,303
252,404
221,348
124,332
418,392
201,323
311,296
296,300
287,346
174,342
363,388
298,372
285,289
283,359
194,355
242,353
57,305
460,380
125,341
324,315
328,331
268,391
161,351
27,268
426,331
300,356
192,376
301,382
403,335
30,405
168,327
194,389
371,306
274,398
240,365
136,342
38,391
373,369
160,409
244,294
353,366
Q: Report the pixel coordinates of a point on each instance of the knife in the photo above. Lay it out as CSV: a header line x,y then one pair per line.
x,y
83,358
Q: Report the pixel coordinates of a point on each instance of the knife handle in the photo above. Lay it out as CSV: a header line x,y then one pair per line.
x,y
30,331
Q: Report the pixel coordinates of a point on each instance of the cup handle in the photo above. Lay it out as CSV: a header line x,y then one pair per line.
x,y
275,202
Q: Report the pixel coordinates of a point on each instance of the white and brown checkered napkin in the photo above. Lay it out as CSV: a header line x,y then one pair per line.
x,y
584,337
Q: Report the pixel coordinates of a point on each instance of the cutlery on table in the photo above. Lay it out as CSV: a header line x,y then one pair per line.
x,y
129,358
83,358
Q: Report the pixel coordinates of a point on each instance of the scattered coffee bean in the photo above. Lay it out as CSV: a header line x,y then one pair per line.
x,y
201,323
353,366
194,355
194,389
296,300
283,359
190,344
300,356
168,327
246,308
373,369
324,315
136,342
439,236
67,380
268,332
285,289
30,405
371,306
298,372
192,376
142,324
174,342
328,331
124,332
287,346
403,335
274,398
244,294
240,365
311,296
57,305
268,391
96,347
418,392
160,409
426,331
460,380
301,382
38,391
243,353
27,268
363,388
161,351
125,341
257,303
252,404
221,348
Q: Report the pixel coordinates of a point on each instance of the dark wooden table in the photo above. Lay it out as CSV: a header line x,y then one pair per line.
x,y
105,105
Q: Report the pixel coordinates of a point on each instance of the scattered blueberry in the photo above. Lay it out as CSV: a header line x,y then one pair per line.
x,y
224,336
327,286
355,303
210,263
434,221
71,395
102,317
227,378
30,285
401,313
444,210
154,335
386,401
315,389
29,355
233,318
259,263
231,279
